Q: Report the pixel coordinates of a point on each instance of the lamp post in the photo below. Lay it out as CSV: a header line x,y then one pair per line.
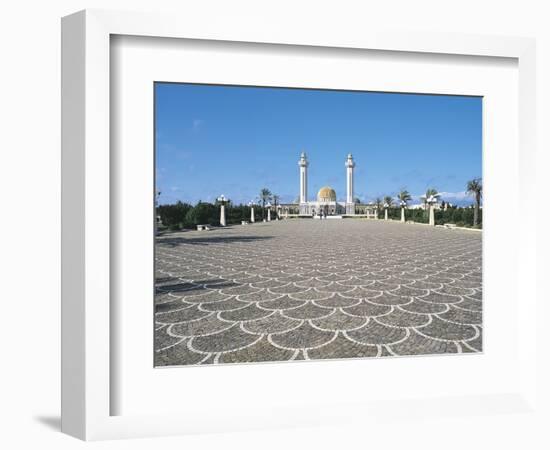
x,y
403,204
222,201
268,206
251,205
431,200
386,211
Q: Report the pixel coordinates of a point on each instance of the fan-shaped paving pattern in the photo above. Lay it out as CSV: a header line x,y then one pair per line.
x,y
339,321
375,333
308,289
275,323
304,337
367,309
404,319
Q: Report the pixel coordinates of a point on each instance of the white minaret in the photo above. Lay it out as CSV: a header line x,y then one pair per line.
x,y
303,183
350,204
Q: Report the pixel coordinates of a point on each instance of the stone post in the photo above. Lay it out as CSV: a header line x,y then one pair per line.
x,y
385,213
269,214
251,205
432,214
402,214
222,200
222,215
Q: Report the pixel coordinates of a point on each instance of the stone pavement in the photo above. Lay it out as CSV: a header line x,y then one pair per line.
x,y
310,289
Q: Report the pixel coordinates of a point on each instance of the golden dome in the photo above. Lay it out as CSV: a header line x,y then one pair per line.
x,y
326,194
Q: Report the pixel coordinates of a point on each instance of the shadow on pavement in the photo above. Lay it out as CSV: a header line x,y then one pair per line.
x,y
176,241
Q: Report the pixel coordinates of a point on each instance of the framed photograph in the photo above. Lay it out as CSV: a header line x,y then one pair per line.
x,y
263,228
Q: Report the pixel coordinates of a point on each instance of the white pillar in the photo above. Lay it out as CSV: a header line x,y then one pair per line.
x,y
402,214
222,215
350,164
252,214
303,163
432,214
349,179
385,213
269,214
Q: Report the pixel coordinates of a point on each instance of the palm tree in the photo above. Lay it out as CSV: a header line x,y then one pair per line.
x,y
403,198
475,188
265,196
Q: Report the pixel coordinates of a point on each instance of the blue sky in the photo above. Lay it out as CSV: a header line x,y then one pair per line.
x,y
213,140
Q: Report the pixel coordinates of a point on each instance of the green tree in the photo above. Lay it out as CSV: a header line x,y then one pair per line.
x,y
420,216
236,213
458,216
468,215
173,216
378,204
202,213
475,188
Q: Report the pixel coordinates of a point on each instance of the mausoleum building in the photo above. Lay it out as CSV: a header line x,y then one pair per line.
x,y
326,203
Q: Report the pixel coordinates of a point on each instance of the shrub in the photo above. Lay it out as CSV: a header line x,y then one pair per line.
x,y
468,216
235,214
173,216
183,215
457,215
202,213
394,213
417,215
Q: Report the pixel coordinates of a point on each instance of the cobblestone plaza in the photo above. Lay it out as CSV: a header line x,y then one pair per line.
x,y
302,289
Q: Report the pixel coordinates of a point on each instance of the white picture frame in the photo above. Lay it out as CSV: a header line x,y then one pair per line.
x,y
87,316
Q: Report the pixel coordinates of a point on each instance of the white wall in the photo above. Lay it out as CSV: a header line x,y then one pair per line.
x,y
29,177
